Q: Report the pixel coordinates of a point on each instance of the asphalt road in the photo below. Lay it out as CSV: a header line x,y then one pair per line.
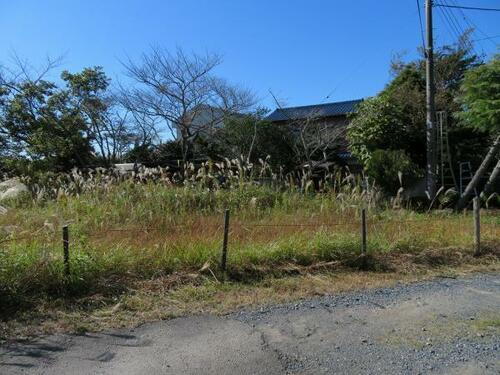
x,y
446,326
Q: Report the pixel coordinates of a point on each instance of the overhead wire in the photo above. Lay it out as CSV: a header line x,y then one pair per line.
x,y
454,21
421,25
367,58
461,30
487,38
470,24
456,29
466,7
474,26
450,26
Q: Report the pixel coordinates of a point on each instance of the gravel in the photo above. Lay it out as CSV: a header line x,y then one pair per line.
x,y
415,328
440,327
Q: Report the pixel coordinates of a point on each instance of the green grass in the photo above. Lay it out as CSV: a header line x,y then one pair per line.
x,y
126,233
488,324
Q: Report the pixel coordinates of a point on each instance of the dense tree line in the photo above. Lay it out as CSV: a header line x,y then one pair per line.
x,y
49,127
387,134
85,120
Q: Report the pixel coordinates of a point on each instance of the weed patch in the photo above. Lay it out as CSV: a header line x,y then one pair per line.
x,y
135,242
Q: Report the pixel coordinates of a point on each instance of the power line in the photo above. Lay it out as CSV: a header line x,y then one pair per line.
x,y
454,19
480,39
469,21
364,61
421,25
469,8
461,31
456,29
345,78
487,38
452,28
470,24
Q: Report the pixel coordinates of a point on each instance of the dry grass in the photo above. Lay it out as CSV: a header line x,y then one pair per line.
x,y
178,295
141,252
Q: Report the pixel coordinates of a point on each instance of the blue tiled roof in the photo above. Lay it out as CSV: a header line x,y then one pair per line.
x,y
314,111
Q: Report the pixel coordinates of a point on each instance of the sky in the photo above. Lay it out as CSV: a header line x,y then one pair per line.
x,y
304,52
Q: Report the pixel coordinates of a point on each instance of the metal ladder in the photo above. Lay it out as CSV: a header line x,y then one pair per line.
x,y
445,168
465,176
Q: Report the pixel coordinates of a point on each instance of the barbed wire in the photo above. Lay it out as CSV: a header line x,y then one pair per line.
x,y
170,227
295,225
28,237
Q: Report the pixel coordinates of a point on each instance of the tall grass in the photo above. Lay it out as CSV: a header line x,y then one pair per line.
x,y
126,228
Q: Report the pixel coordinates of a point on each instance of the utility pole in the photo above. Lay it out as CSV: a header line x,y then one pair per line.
x,y
431,109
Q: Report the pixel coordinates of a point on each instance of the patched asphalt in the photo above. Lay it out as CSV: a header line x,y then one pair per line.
x,y
443,326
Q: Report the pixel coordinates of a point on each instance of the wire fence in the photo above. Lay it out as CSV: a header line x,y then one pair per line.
x,y
239,230
416,226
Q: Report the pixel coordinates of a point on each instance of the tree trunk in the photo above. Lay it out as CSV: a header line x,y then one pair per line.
x,y
462,202
491,181
184,150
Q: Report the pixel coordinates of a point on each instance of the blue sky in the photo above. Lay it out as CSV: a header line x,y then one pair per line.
x,y
301,50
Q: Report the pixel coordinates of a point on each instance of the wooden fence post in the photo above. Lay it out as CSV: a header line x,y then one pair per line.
x,y
363,231
477,226
224,243
66,249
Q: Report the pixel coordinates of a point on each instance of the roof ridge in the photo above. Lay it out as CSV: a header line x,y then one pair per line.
x,y
322,104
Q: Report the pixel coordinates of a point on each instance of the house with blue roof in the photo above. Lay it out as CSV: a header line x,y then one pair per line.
x,y
330,117
336,112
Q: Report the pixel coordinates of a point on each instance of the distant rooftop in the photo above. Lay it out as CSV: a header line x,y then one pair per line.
x,y
313,111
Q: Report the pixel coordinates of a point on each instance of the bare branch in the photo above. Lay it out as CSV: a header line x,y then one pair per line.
x,y
181,90
316,140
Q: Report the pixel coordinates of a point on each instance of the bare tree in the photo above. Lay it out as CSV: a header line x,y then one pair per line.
x,y
316,140
22,71
182,90
144,128
113,132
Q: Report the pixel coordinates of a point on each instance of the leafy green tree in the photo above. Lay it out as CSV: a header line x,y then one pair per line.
x,y
481,110
396,118
379,124
46,127
480,97
106,124
164,154
392,169
40,125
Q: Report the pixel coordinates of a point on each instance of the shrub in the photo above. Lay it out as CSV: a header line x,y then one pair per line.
x,y
392,169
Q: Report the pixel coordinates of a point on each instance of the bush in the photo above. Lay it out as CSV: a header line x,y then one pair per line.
x,y
392,169
170,152
254,138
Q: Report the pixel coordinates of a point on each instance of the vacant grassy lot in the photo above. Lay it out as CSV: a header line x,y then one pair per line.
x,y
132,242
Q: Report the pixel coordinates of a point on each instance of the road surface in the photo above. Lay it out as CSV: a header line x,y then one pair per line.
x,y
444,326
